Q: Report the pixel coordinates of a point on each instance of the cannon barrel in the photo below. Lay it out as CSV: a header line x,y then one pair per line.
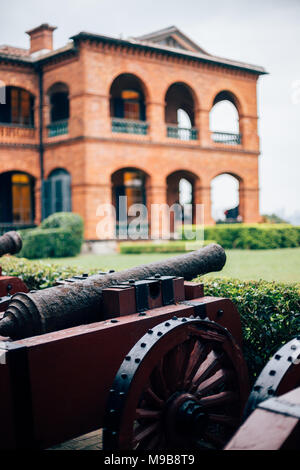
x,y
10,243
61,307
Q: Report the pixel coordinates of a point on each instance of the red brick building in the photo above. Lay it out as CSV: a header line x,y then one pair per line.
x,y
98,118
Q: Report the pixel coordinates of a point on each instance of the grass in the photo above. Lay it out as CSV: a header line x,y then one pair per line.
x,y
282,265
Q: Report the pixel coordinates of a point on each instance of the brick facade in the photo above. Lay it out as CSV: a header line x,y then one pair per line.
x,y
91,152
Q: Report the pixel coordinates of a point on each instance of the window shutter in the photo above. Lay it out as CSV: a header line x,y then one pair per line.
x,y
46,198
118,108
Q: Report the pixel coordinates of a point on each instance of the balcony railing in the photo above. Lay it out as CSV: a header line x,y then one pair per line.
x,y
182,133
128,126
16,130
226,138
58,128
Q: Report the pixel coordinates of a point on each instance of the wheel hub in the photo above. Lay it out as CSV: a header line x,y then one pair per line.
x,y
184,417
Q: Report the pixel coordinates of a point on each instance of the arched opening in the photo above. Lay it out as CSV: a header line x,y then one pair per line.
x,y
129,187
59,109
225,200
57,192
224,119
180,112
181,192
128,105
18,108
16,199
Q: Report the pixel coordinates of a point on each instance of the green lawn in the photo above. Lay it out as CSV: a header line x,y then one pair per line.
x,y
281,265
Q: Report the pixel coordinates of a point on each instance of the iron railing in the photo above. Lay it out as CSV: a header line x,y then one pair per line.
x,y
128,126
226,138
182,133
58,128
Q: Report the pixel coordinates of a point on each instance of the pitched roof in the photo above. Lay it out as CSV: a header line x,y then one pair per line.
x,y
173,37
170,41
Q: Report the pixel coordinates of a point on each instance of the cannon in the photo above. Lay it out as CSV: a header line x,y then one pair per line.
x,y
80,302
142,354
10,243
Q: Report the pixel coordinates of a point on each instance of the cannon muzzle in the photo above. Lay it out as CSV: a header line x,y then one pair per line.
x,y
10,243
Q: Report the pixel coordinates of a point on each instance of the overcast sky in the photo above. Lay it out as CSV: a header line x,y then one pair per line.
x,y
261,32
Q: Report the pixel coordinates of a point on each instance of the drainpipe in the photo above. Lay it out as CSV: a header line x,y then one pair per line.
x,y
41,143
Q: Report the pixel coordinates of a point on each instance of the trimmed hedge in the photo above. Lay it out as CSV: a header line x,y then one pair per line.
x,y
270,315
249,236
60,235
175,246
36,274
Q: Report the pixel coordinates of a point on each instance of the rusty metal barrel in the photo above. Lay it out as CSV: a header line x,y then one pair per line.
x,y
66,306
10,243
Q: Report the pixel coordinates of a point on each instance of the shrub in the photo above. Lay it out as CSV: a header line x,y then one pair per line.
x,y
60,235
36,274
270,315
250,236
179,246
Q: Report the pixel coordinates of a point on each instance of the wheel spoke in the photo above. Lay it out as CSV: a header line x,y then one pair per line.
x,y
159,381
142,433
218,399
213,336
181,359
150,396
219,378
206,369
198,354
155,442
142,413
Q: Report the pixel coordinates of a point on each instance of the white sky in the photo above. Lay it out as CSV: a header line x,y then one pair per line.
x,y
261,32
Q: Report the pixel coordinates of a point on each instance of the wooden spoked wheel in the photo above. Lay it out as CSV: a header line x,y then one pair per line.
x,y
280,375
183,385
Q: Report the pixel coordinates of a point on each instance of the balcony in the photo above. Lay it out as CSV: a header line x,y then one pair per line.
x,y
226,138
182,133
8,130
128,126
58,128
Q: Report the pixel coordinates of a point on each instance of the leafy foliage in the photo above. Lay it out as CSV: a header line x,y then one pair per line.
x,y
175,246
270,315
60,235
249,236
36,274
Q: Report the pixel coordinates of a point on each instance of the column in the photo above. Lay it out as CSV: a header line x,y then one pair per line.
x,y
203,127
249,205
155,115
158,213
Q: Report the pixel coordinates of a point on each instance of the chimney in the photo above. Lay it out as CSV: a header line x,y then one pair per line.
x,y
41,39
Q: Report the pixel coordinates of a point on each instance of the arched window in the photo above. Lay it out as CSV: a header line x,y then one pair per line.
x,y
225,199
57,192
180,191
18,108
224,119
128,189
59,109
127,105
16,198
180,112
